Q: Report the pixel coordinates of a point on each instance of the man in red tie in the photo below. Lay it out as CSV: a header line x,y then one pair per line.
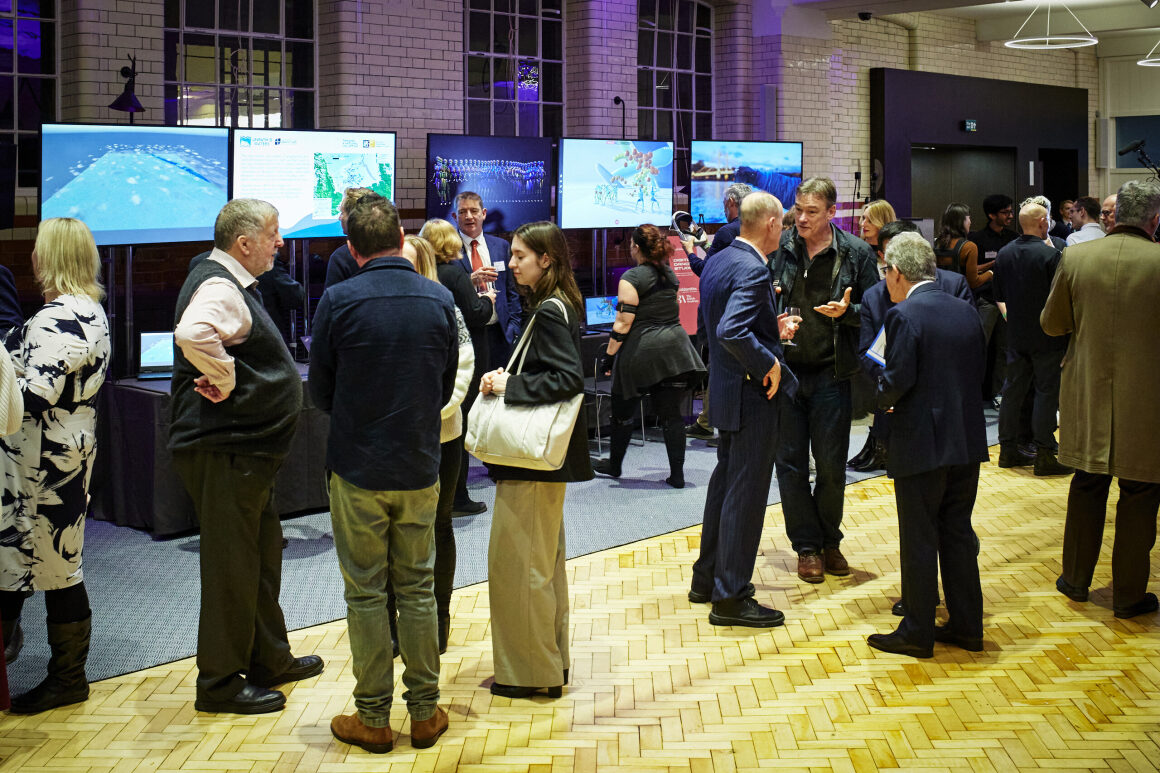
x,y
485,257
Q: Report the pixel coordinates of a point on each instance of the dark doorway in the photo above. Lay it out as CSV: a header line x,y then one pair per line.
x,y
1060,175
942,175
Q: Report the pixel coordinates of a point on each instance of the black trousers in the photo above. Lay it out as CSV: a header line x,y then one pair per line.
x,y
1037,373
1083,534
934,529
241,629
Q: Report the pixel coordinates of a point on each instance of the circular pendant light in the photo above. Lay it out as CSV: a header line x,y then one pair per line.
x,y
1047,41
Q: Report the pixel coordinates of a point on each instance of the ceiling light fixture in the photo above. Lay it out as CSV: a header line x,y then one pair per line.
x,y
1150,3
1050,42
1152,59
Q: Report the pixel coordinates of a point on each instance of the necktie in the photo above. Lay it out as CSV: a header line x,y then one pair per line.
x,y
476,260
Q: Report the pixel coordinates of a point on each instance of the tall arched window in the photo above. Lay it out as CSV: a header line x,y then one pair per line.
x,y
28,81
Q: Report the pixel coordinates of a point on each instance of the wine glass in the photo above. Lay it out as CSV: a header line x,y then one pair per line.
x,y
794,318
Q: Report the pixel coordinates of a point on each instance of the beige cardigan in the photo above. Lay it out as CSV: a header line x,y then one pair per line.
x,y
452,426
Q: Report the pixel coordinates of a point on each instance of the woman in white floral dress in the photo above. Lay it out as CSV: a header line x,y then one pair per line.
x,y
60,359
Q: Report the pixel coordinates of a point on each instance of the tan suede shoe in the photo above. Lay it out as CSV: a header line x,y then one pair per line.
x,y
424,733
348,728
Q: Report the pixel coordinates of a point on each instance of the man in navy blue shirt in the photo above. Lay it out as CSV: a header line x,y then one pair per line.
x,y
383,364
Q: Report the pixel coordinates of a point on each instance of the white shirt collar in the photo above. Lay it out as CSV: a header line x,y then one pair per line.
x,y
245,279
916,285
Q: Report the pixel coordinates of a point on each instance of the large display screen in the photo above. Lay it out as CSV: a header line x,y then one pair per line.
x,y
304,174
714,165
135,184
614,183
510,174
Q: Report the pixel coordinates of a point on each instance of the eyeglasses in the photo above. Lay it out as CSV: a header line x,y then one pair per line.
x,y
1107,212
1007,211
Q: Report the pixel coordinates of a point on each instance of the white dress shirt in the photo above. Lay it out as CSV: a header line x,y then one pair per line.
x,y
1089,232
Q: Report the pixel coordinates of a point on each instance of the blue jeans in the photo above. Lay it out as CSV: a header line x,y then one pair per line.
x,y
380,535
818,418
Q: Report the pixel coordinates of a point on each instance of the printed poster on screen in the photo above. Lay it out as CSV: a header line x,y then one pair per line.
x,y
304,174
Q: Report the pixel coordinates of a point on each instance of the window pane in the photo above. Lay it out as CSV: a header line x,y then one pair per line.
x,y
234,60
172,13
504,6
552,82
36,100
478,77
704,126
664,91
504,115
7,107
550,8
665,14
6,43
644,48
704,17
684,128
172,56
684,95
266,108
684,52
553,121
479,32
644,88
200,105
5,7
529,8
268,16
704,55
232,14
480,5
301,110
234,106
503,31
35,47
528,81
28,160
684,16
478,117
644,124
647,13
704,92
664,126
172,105
529,37
45,9
199,14
267,63
529,119
199,59
664,50
300,24
553,46
503,80
300,65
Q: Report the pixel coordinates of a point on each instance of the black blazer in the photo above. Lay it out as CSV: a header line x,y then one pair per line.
x,y
935,357
476,308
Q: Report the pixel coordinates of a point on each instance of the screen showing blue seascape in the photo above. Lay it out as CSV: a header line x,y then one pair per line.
x,y
614,183
775,167
510,174
135,185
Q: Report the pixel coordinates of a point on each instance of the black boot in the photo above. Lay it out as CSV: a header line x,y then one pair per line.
x,y
66,682
877,460
618,443
675,448
863,456
1011,456
13,640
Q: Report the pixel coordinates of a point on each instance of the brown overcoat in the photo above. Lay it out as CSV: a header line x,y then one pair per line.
x,y
1106,293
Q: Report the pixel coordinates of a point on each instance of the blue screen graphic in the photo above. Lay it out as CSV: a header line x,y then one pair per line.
x,y
614,183
714,165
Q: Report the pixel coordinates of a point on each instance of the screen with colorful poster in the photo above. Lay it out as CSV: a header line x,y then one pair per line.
x,y
135,184
305,173
510,174
714,165
614,183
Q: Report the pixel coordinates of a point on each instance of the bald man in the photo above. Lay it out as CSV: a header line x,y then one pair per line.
x,y
1108,213
1024,270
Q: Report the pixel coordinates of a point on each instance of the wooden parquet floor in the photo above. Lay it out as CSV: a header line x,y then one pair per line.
x,y
1060,686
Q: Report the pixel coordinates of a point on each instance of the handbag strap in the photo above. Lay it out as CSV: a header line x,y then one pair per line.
x,y
521,350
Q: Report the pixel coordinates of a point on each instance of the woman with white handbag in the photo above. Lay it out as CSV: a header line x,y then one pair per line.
x,y
533,405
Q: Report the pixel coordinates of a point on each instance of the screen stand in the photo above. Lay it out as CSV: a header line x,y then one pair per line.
x,y
130,345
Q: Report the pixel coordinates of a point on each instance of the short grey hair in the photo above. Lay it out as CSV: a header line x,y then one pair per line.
x,y
1041,200
1137,203
738,191
757,207
912,256
241,217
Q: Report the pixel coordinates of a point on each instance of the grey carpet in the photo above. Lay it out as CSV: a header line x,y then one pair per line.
x,y
145,593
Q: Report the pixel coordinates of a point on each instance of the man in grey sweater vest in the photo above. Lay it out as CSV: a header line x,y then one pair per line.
x,y
236,399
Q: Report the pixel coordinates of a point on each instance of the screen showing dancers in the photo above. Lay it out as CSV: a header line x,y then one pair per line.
x,y
775,167
509,173
135,185
614,183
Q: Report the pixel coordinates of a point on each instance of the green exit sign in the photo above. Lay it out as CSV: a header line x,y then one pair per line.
x,y
970,125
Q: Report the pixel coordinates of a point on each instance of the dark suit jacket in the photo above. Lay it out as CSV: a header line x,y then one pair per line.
x,y
935,357
508,309
476,308
741,326
876,302
1024,271
10,315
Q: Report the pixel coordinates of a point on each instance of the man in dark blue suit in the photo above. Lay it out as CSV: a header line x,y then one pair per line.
x,y
748,380
935,356
485,257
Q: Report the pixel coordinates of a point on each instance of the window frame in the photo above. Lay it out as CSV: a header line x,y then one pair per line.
x,y
15,133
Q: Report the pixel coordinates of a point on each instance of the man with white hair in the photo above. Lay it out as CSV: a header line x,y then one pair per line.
x,y
1108,213
935,357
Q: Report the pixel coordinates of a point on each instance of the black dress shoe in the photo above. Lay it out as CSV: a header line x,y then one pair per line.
x,y
744,612
697,597
604,467
1013,457
944,635
300,668
1071,591
697,432
877,460
251,699
460,509
518,691
896,644
1046,464
1141,607
864,455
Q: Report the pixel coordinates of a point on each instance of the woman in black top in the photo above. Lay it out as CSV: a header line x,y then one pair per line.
x,y
649,352
525,557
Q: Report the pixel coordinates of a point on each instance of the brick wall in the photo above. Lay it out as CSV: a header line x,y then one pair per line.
x,y
600,63
735,93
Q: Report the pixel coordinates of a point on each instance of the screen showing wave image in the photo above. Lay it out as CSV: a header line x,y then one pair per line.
x,y
599,311
304,174
135,184
510,174
614,183
714,165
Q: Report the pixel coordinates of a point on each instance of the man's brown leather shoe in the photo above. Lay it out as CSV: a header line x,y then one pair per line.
x,y
424,733
811,568
836,563
348,728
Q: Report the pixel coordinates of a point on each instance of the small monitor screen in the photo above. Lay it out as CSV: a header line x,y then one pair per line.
x,y
614,183
510,174
156,351
600,310
714,165
305,174
135,184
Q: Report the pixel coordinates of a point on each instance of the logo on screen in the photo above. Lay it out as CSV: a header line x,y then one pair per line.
x,y
368,144
278,141
244,140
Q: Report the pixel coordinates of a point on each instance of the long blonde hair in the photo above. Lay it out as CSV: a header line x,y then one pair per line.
x,y
425,256
444,239
67,261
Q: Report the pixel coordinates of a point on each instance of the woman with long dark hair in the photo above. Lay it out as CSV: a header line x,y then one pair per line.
x,y
525,561
955,252
649,353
